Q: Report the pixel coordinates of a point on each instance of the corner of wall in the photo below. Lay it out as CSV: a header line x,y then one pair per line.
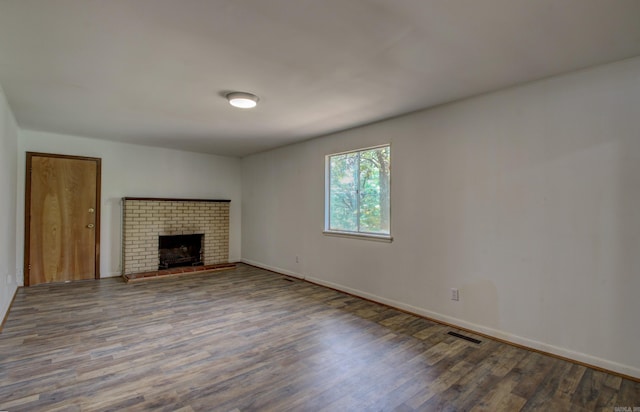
x,y
8,204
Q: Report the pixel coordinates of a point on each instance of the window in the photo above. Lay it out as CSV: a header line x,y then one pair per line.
x,y
357,193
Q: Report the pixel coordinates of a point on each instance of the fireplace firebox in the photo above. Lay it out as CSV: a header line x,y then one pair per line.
x,y
180,250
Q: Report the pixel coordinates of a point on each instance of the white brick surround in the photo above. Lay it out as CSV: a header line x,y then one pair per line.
x,y
144,220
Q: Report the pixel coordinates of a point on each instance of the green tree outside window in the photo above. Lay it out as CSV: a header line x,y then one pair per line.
x,y
359,188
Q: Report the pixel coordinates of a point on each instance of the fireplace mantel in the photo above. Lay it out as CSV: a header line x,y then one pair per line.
x,y
175,199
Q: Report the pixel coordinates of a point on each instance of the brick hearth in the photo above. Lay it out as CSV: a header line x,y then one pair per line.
x,y
135,277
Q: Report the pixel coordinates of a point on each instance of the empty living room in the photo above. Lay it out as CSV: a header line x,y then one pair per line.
x,y
293,205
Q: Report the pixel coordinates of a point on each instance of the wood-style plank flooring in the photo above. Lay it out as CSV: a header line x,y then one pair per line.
x,y
249,339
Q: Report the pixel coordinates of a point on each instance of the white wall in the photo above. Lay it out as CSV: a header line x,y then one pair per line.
x,y
526,199
138,171
8,179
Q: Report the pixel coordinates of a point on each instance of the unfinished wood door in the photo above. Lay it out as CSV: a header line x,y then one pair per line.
x,y
62,218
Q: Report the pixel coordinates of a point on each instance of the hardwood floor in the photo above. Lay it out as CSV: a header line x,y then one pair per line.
x,y
249,339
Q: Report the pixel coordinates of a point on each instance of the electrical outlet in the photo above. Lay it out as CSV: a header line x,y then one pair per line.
x,y
297,259
455,294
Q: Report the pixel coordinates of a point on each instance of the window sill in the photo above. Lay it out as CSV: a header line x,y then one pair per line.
x,y
363,236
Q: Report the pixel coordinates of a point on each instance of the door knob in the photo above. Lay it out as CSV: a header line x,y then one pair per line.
x,y
90,225
91,210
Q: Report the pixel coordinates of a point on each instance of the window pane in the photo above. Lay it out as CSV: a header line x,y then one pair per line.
x,y
343,199
358,191
374,190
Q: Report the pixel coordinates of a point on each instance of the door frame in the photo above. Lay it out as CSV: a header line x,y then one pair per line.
x,y
27,209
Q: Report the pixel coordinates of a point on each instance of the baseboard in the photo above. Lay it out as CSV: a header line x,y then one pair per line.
x,y
6,314
625,371
273,268
584,359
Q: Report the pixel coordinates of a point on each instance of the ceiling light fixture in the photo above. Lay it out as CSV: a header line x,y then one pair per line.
x,y
242,100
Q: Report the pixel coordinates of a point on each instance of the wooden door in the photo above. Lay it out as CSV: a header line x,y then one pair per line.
x,y
62,218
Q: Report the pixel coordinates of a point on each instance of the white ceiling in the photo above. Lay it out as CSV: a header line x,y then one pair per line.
x,y
153,72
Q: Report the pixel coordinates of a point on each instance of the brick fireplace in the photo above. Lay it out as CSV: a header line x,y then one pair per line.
x,y
145,220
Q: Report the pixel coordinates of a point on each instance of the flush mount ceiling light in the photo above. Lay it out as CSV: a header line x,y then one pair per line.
x,y
242,100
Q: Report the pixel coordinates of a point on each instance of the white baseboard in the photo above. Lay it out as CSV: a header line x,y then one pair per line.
x,y
110,275
6,306
498,334
273,268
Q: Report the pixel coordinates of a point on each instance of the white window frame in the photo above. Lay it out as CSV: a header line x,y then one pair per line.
x,y
380,237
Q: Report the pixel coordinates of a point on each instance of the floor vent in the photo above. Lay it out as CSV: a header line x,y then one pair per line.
x,y
287,279
470,339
